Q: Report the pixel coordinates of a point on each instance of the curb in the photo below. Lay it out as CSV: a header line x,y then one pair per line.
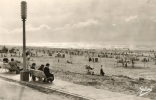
x,y
47,90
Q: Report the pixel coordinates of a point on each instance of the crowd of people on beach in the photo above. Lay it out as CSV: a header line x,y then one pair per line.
x,y
44,68
123,57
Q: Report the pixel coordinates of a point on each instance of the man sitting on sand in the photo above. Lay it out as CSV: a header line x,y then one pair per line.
x,y
13,66
33,66
50,77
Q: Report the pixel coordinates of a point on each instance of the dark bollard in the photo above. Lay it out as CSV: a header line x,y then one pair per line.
x,y
24,76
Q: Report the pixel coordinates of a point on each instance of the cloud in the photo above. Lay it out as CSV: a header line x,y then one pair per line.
x,y
78,20
78,25
86,23
33,34
3,31
113,24
41,27
130,18
29,28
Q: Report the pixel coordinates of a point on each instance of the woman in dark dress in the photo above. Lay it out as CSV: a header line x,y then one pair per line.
x,y
102,73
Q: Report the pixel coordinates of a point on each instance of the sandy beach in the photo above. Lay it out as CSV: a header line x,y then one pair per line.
x,y
117,78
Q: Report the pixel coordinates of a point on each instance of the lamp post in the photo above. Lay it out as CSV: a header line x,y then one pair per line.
x,y
24,75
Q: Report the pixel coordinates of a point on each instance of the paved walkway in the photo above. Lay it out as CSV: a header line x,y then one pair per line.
x,y
85,91
15,91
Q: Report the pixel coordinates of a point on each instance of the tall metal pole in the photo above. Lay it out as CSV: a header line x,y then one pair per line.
x,y
24,16
24,75
24,46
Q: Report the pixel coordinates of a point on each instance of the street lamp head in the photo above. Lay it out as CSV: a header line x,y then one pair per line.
x,y
24,10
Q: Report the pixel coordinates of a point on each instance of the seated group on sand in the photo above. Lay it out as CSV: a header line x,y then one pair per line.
x,y
90,70
12,65
42,73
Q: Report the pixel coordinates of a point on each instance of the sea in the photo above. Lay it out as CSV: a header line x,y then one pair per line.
x,y
80,45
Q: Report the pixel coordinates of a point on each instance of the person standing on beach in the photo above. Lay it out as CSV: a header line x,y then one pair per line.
x,y
102,73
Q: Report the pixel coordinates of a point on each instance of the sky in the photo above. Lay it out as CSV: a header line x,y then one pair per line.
x,y
80,21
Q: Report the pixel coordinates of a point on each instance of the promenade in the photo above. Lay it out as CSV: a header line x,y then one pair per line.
x,y
77,92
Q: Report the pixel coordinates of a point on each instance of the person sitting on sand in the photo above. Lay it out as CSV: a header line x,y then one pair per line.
x,y
102,73
13,66
90,70
41,68
5,60
50,76
33,67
